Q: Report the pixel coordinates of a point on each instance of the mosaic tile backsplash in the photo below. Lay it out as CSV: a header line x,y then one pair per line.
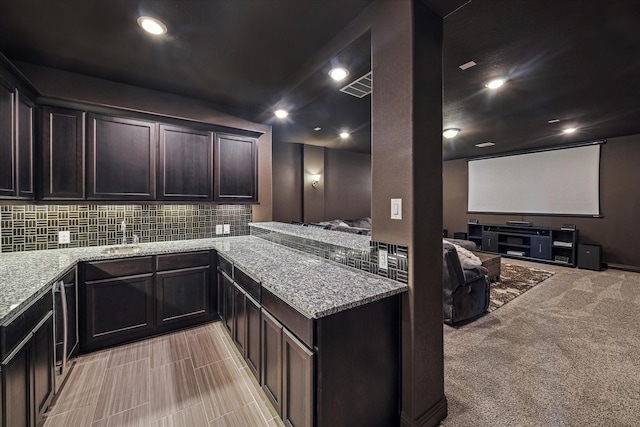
x,y
397,258
35,227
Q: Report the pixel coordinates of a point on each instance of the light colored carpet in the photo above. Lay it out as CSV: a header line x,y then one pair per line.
x,y
565,353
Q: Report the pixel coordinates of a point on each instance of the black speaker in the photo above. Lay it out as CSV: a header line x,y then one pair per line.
x,y
590,257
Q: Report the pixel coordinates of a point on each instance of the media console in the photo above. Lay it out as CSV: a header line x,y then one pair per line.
x,y
541,244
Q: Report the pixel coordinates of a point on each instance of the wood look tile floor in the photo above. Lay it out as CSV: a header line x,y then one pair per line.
x,y
190,378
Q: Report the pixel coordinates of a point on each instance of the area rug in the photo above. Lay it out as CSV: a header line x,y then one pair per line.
x,y
514,281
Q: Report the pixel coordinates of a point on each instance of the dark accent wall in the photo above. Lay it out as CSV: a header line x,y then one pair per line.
x,y
616,231
343,192
287,182
347,185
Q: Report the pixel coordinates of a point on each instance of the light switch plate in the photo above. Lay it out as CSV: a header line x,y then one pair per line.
x,y
219,229
396,208
64,237
383,263
227,229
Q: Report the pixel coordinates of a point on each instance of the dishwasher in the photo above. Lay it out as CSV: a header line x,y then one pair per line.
x,y
65,314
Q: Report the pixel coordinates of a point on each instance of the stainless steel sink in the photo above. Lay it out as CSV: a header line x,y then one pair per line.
x,y
121,250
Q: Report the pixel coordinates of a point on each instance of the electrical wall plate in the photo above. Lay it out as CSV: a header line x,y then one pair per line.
x,y
396,208
227,229
64,237
219,229
383,262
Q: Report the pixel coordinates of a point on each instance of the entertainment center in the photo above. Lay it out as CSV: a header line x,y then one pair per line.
x,y
540,244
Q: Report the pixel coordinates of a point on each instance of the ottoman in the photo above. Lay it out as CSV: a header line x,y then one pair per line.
x,y
492,263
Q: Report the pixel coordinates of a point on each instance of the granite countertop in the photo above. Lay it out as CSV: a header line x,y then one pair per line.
x,y
332,237
314,286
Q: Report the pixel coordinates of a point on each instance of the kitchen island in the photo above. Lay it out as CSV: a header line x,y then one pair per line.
x,y
343,368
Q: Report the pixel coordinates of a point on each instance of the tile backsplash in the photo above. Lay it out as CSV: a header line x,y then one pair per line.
x,y
35,227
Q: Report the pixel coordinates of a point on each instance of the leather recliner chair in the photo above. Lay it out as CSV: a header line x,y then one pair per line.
x,y
465,292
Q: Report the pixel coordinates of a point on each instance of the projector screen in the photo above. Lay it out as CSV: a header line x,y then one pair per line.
x,y
555,182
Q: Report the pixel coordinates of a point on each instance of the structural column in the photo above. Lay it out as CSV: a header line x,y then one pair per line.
x,y
406,39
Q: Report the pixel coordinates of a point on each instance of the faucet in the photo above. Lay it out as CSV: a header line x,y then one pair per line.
x,y
123,228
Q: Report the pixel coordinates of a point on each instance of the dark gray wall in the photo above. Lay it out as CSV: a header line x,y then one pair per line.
x,y
287,182
617,231
347,192
344,189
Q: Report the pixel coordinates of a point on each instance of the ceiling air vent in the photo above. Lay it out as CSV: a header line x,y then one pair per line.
x,y
360,87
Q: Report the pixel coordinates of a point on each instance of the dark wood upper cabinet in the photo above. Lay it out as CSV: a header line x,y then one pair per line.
x,y
7,141
236,169
63,148
25,143
185,164
121,158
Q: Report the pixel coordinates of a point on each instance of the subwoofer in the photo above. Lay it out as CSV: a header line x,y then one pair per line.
x,y
590,257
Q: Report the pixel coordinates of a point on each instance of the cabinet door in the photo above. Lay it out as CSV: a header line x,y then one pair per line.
x,y
272,360
7,141
16,379
24,140
117,310
229,298
541,247
182,296
239,319
252,346
121,158
42,367
297,380
63,146
236,169
185,164
490,241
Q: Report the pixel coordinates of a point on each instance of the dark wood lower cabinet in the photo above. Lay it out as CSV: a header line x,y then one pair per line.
x,y
16,380
239,319
297,381
118,310
27,377
132,298
183,296
252,347
272,360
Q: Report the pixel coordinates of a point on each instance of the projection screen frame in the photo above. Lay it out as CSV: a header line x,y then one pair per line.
x,y
523,152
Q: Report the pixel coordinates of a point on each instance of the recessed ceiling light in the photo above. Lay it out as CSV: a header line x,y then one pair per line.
x,y
569,130
467,65
495,84
317,129
281,114
552,121
485,144
338,73
152,25
344,135
450,133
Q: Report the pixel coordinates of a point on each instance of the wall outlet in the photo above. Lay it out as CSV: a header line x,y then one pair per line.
x,y
64,237
218,229
383,263
227,229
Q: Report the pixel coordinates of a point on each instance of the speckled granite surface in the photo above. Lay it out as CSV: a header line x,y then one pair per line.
x,y
314,286
337,238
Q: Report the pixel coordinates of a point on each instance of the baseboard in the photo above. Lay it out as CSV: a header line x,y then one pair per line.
x,y
431,418
624,267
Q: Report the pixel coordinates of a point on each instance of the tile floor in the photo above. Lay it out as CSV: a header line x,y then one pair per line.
x,y
189,378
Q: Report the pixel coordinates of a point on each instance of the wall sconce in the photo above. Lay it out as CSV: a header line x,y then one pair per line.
x,y
316,181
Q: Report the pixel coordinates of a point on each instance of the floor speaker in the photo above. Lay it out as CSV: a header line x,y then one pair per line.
x,y
590,257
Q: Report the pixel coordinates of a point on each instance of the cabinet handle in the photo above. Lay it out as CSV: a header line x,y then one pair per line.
x,y
540,250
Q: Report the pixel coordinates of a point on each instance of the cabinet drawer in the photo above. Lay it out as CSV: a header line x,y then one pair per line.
x,y
251,286
186,260
291,318
13,332
120,267
225,265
